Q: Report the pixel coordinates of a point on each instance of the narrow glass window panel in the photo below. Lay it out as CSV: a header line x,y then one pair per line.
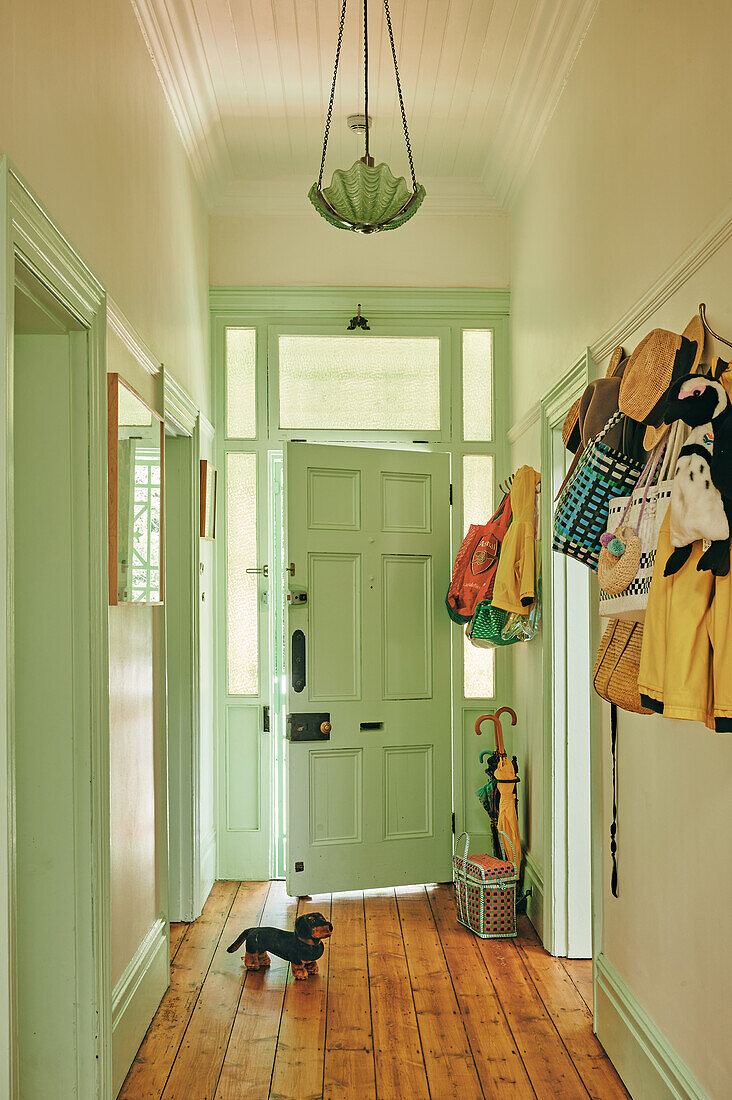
x,y
241,364
368,383
477,383
242,640
478,664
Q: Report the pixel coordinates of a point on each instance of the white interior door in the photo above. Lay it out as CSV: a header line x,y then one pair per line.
x,y
369,800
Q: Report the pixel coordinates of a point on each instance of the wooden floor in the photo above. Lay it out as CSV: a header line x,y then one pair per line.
x,y
408,1005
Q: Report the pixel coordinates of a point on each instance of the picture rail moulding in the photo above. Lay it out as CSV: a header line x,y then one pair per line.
x,y
387,301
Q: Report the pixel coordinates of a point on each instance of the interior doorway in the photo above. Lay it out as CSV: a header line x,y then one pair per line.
x,y
56,679
571,703
422,379
568,776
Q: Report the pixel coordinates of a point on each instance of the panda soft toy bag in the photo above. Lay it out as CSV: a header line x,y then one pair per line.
x,y
701,501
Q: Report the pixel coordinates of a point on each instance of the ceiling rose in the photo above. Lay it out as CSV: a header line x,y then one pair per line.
x,y
367,197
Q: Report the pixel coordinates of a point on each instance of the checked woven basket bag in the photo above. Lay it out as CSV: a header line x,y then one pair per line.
x,y
485,892
581,514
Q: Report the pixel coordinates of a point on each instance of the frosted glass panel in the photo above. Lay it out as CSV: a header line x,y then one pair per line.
x,y
241,361
477,489
477,383
478,664
242,643
373,383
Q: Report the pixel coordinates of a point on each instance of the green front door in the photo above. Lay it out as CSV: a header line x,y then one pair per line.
x,y
368,536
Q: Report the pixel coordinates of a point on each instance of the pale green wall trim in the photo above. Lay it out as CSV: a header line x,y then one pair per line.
x,y
179,409
207,429
27,231
713,237
382,300
131,339
649,1066
534,878
554,406
527,421
182,609
208,863
136,998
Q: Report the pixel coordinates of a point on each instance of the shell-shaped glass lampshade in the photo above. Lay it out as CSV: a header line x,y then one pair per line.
x,y
366,199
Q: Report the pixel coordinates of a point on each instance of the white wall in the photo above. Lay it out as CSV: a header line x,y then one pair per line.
x,y
84,120
635,164
294,250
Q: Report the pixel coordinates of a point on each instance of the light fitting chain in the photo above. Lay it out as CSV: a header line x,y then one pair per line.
x,y
332,95
401,98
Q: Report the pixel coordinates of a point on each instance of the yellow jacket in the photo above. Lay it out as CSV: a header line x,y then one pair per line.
x,y
515,584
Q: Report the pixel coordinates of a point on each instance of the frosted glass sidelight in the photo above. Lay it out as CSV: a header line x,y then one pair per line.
x,y
478,664
477,383
370,383
241,363
242,641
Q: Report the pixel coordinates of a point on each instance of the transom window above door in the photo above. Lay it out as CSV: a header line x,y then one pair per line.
x,y
366,383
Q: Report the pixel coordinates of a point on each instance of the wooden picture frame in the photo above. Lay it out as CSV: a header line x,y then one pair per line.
x,y
209,479
114,382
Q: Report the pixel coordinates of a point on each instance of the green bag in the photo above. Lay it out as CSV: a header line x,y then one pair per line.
x,y
486,627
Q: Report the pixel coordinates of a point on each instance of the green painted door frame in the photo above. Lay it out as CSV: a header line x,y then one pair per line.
x,y
247,850
554,407
182,651
27,236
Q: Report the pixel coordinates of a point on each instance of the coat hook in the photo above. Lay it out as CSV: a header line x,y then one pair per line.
x,y
708,327
358,321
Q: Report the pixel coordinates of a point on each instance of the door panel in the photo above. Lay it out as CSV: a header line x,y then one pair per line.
x,y
368,534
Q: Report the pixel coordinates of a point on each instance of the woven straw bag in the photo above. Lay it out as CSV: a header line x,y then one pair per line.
x,y
644,510
615,676
616,573
581,514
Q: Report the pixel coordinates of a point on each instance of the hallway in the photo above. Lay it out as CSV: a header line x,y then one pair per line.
x,y
407,1004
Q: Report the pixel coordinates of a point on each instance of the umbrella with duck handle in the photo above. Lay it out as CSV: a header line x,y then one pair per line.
x,y
506,779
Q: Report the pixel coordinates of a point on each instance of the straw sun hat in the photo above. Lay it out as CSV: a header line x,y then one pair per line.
x,y
661,357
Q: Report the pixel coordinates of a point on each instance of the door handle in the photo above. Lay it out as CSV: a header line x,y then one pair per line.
x,y
264,570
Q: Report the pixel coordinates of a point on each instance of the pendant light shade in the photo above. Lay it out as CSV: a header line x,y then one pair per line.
x,y
366,198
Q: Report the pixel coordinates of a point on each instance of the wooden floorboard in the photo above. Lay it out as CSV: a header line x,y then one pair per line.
x,y
177,935
298,1067
571,1017
580,971
407,1004
151,1068
451,1071
398,1057
499,1064
349,1056
197,1067
551,1070
247,1068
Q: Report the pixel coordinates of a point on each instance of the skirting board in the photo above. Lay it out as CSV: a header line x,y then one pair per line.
x,y
136,998
641,1053
534,878
208,864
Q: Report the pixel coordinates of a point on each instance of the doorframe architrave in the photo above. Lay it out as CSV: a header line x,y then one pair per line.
x,y
27,233
554,406
185,900
264,308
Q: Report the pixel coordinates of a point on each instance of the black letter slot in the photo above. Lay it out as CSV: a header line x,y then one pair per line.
x,y
372,725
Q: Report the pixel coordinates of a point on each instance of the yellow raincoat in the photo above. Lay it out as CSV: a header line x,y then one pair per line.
x,y
515,583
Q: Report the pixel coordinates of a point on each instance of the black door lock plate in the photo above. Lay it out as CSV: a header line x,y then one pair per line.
x,y
308,727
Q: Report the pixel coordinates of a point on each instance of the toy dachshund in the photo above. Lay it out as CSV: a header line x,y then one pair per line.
x,y
302,948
